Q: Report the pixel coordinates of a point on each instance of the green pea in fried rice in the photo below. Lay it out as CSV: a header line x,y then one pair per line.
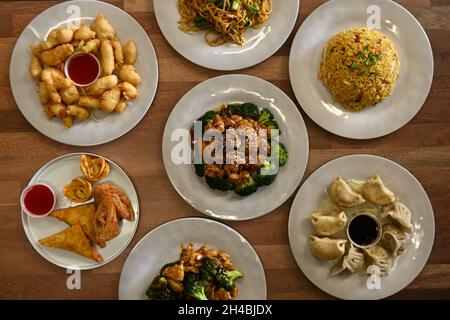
x,y
360,67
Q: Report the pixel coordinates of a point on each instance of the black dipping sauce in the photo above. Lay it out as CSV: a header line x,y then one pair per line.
x,y
363,230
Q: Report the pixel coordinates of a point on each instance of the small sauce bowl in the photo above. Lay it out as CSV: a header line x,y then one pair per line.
x,y
364,230
38,200
82,68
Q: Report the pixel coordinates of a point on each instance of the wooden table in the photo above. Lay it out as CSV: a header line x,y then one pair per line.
x,y
422,146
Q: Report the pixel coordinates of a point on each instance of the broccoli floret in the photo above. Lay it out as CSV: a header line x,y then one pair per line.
x,y
264,178
265,116
267,119
208,271
232,109
159,290
199,169
162,294
194,286
207,117
246,110
283,155
246,188
159,283
221,184
225,279
249,110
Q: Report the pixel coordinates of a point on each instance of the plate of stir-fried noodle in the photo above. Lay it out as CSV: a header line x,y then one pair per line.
x,y
226,34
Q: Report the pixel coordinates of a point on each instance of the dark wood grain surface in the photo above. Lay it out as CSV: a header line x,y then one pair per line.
x,y
422,146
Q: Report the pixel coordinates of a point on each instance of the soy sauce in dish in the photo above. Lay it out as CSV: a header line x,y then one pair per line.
x,y
39,199
363,230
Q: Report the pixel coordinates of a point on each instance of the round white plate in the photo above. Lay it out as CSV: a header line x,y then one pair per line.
x,y
413,85
403,184
57,173
109,126
227,89
162,245
260,43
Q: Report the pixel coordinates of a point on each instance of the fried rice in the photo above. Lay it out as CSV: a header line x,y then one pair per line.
x,y
360,67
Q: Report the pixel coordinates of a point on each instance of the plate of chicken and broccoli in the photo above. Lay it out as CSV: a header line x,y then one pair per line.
x,y
193,259
235,147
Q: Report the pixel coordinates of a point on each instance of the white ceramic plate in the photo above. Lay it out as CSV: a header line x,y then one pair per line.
x,y
57,173
260,44
89,132
162,245
403,184
227,89
413,85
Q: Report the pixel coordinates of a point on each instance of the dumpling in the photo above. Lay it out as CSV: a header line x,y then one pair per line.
x,y
328,223
374,190
352,262
394,239
380,257
401,214
343,195
327,248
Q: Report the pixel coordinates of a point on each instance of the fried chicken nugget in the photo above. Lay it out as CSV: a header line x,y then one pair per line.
x,y
101,85
89,102
50,76
72,239
69,95
68,121
78,112
118,52
110,99
84,33
121,106
130,52
103,28
55,109
57,37
128,90
91,46
57,55
107,57
44,95
35,68
128,73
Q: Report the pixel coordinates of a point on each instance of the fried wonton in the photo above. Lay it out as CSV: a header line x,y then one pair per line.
x,y
122,204
105,223
73,239
83,215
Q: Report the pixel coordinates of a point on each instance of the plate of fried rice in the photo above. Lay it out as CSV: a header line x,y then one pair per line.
x,y
361,69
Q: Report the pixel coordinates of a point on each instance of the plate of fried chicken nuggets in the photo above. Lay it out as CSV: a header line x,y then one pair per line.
x,y
109,93
92,233
128,73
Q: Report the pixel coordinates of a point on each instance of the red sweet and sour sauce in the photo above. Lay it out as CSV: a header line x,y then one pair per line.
x,y
83,69
39,199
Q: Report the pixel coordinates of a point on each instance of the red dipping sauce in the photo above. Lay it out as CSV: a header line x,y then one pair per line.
x,y
82,68
38,200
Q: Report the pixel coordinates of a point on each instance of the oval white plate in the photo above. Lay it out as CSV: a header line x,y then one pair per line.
x,y
237,88
162,245
57,173
259,44
413,85
403,184
89,132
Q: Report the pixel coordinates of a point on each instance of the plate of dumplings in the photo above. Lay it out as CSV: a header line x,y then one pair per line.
x,y
361,227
